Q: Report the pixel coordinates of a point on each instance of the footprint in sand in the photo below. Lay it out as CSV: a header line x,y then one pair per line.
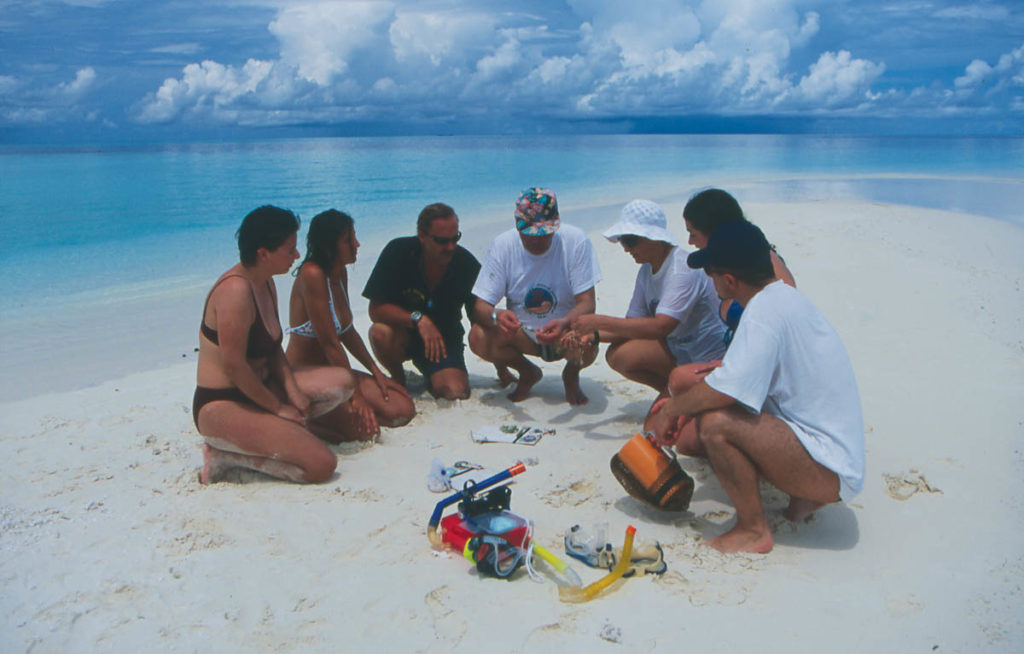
x,y
448,626
718,593
705,590
546,637
902,486
572,494
198,536
674,581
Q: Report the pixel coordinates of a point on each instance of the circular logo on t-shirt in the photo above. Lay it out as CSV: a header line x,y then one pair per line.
x,y
540,300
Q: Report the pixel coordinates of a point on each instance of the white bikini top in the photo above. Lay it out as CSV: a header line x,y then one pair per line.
x,y
306,329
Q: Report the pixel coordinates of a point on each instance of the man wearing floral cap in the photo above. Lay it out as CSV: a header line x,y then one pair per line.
x,y
546,272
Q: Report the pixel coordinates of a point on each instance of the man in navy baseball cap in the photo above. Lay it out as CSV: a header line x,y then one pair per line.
x,y
784,403
739,247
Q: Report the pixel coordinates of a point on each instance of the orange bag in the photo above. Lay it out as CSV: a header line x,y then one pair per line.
x,y
652,476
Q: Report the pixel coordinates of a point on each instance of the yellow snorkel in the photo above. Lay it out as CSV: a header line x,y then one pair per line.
x,y
577,594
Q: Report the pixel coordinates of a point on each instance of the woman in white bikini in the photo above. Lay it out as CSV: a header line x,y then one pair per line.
x,y
251,408
321,330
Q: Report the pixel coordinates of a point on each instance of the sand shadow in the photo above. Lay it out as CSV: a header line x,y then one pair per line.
x,y
244,476
551,393
486,382
629,421
832,527
640,512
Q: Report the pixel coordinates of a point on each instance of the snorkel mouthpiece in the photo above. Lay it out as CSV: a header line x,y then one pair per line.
x,y
576,594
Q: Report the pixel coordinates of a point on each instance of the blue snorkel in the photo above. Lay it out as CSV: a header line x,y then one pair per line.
x,y
468,492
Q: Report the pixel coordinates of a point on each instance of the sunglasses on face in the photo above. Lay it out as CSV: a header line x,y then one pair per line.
x,y
629,240
441,240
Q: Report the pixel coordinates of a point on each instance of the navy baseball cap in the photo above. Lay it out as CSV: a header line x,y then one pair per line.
x,y
735,245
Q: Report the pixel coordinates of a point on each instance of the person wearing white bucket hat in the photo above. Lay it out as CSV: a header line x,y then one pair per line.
x,y
672,318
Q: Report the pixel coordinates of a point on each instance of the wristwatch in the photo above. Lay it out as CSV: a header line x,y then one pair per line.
x,y
416,317
494,316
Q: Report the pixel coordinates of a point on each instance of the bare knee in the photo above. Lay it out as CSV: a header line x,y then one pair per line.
x,y
451,391
713,428
396,420
321,466
397,412
386,339
479,343
680,380
613,357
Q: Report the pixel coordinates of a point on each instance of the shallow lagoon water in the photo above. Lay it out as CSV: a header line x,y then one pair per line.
x,y
111,247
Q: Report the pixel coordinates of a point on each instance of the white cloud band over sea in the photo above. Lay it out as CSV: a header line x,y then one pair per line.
x,y
451,65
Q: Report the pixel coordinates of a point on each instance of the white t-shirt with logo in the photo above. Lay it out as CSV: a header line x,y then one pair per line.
x,y
538,288
787,360
687,295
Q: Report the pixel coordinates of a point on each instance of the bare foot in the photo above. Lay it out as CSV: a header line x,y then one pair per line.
x,y
214,464
505,376
573,393
737,540
527,380
800,510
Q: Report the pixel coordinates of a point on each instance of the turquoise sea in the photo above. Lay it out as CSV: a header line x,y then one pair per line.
x,y
106,249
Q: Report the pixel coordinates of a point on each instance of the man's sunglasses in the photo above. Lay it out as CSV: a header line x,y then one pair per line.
x,y
629,240
441,240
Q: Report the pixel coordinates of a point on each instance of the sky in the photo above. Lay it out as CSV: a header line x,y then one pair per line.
x,y
165,69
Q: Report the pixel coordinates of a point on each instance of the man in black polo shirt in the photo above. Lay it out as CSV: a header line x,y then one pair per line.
x,y
418,289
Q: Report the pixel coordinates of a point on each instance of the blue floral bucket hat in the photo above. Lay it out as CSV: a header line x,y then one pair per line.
x,y
537,212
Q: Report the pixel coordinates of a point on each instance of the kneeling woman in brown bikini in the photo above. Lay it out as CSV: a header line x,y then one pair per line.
x,y
253,411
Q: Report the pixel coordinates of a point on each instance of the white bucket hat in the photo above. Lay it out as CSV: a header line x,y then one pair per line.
x,y
642,218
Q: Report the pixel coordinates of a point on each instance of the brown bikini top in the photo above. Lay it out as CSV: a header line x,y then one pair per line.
x,y
261,344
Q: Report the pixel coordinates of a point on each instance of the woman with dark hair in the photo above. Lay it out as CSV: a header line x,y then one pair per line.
x,y
704,213
321,330
712,207
253,411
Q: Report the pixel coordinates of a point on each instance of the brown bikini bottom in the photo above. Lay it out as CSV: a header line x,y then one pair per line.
x,y
204,396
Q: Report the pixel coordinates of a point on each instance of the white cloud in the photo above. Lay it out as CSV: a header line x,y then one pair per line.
x,y
318,39
986,86
438,36
400,59
208,89
84,79
8,84
1008,71
22,103
644,32
979,11
837,79
504,59
976,74
177,48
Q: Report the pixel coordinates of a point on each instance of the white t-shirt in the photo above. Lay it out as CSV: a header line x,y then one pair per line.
x,y
687,295
538,288
786,359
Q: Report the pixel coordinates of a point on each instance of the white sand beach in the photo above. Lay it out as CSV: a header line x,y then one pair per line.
x,y
110,543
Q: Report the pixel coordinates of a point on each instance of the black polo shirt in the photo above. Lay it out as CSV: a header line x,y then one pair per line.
x,y
398,278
